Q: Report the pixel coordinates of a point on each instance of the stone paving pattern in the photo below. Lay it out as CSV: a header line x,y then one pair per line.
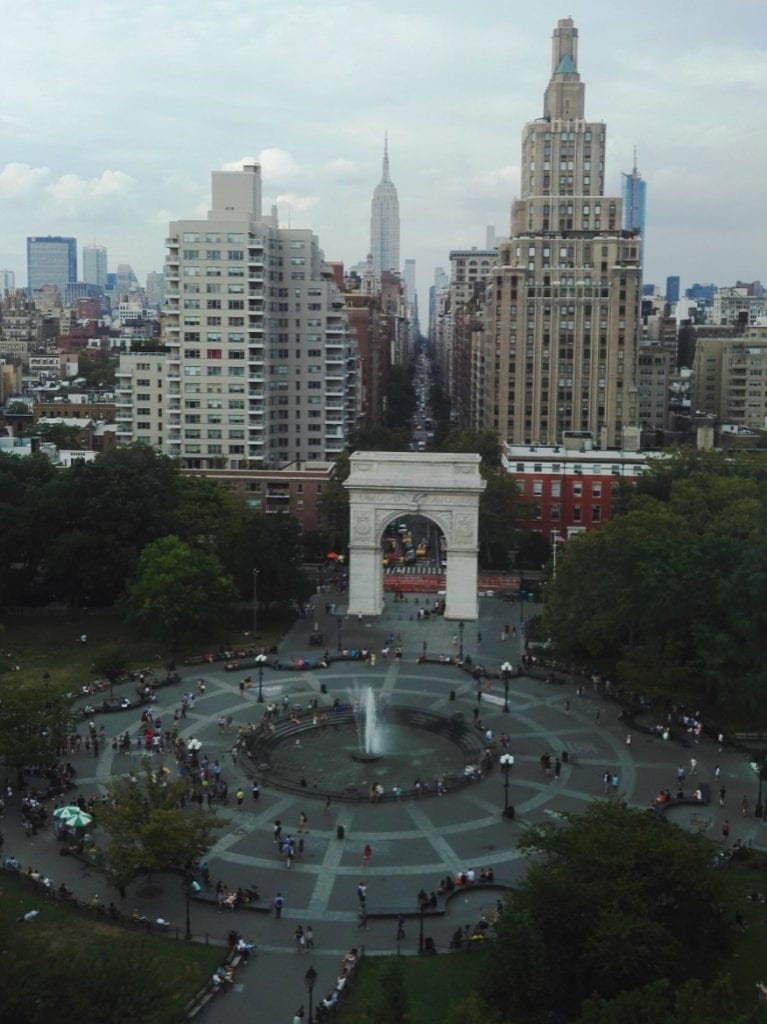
x,y
416,842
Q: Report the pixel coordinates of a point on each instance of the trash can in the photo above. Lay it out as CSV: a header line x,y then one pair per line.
x,y
509,813
565,757
340,831
452,695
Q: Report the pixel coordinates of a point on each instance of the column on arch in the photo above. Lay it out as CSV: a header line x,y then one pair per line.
x,y
365,562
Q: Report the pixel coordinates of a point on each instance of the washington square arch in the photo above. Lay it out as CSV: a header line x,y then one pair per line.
x,y
443,487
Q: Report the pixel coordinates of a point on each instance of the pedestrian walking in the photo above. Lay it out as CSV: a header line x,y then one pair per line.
x,y
717,772
680,775
299,939
255,791
362,914
400,927
628,740
362,893
326,808
557,767
726,829
367,853
693,765
722,795
278,904
309,938
277,832
567,707
302,820
240,794
720,741
744,805
597,717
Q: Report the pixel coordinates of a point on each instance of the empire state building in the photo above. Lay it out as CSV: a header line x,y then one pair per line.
x,y
384,222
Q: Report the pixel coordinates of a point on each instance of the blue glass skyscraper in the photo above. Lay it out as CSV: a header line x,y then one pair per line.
x,y
634,193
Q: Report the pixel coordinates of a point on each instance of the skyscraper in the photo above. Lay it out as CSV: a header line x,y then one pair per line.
x,y
51,259
262,367
384,222
561,329
95,265
634,194
672,289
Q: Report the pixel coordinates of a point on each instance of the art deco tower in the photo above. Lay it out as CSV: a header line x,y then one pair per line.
x,y
384,222
560,350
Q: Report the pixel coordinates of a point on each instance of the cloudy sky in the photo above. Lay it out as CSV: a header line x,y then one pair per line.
x,y
113,114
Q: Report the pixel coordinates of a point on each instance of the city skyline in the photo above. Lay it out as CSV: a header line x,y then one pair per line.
x,y
107,146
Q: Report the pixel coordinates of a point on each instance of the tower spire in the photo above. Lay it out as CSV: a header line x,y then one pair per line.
x,y
385,173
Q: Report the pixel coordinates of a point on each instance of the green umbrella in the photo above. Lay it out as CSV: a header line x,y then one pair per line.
x,y
72,816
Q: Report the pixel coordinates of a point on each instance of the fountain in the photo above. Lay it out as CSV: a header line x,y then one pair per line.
x,y
370,728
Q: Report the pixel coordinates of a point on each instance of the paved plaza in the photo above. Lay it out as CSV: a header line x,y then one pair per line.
x,y
414,842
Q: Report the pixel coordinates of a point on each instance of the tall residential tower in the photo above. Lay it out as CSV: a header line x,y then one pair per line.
x,y
561,330
384,222
261,368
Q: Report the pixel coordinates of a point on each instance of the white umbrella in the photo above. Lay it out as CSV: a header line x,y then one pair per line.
x,y
193,744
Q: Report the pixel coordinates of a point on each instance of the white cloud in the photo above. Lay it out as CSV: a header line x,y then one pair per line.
x,y
18,180
501,176
71,190
341,168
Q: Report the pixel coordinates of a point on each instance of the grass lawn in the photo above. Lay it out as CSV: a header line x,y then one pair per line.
x,y
749,964
49,643
434,984
72,957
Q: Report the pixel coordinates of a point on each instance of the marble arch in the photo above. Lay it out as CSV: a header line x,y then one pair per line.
x,y
444,487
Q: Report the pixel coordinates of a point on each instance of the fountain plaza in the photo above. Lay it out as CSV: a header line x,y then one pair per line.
x,y
415,842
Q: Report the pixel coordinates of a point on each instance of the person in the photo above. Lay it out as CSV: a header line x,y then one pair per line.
x,y
400,927
363,917
722,795
362,892
302,820
744,805
278,904
725,829
309,938
367,853
255,791
298,1016
245,948
299,938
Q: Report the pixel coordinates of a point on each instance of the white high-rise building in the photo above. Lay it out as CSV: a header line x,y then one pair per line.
x,y
261,368
95,265
384,222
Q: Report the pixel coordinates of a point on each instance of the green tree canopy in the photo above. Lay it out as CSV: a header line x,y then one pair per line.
x,y
179,591
148,828
669,596
33,723
615,900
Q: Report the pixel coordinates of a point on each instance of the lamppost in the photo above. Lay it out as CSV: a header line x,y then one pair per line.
x,y
340,624
309,980
420,927
506,761
506,670
460,640
255,603
46,681
522,598
186,886
260,660
759,809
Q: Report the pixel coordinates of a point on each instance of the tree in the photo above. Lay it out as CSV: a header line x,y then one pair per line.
x,y
60,434
688,1003
33,724
179,591
393,1003
615,900
111,661
148,828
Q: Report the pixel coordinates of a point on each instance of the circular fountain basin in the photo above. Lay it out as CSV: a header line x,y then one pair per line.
x,y
328,761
